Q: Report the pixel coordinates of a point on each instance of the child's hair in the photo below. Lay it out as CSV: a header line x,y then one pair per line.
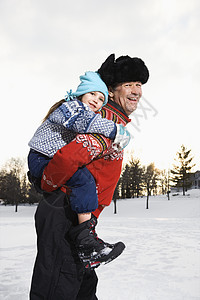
x,y
54,107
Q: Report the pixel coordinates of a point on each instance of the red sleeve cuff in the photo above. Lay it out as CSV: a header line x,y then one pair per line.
x,y
97,212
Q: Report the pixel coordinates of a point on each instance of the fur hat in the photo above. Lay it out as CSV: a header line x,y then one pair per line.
x,y
123,69
91,82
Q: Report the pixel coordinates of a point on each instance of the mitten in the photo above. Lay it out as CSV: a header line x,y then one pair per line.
x,y
122,138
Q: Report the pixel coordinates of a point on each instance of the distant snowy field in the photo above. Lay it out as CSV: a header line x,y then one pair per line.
x,y
161,260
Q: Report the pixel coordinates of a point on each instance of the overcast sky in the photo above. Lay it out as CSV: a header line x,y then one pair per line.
x,y
46,45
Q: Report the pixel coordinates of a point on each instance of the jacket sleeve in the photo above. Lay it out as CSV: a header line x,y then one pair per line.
x,y
78,117
80,152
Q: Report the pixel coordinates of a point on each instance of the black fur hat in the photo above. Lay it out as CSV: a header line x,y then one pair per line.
x,y
123,69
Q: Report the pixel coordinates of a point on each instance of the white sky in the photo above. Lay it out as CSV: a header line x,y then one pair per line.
x,y
46,45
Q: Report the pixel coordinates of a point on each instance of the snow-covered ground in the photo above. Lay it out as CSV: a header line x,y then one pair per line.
x,y
161,260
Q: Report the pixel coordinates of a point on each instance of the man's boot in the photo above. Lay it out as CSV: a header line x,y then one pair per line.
x,y
93,251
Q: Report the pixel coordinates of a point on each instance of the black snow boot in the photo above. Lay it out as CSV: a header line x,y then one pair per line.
x,y
93,251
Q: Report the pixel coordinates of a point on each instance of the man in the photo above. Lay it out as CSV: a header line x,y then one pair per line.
x,y
58,273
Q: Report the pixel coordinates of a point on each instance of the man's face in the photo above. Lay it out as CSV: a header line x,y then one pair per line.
x,y
127,95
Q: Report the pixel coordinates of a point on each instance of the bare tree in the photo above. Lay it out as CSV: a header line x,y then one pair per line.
x,y
14,187
151,176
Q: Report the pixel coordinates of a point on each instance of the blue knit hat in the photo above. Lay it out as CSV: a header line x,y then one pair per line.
x,y
91,82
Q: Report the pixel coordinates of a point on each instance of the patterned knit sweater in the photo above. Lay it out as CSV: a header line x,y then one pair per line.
x,y
65,122
93,151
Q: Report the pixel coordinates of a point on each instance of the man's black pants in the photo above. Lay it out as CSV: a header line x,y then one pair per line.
x,y
58,273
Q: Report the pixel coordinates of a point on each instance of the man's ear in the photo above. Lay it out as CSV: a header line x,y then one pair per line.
x,y
110,92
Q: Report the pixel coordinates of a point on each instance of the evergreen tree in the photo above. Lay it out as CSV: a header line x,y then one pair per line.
x,y
136,178
125,183
181,170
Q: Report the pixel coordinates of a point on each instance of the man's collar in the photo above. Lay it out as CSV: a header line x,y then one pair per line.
x,y
111,105
117,106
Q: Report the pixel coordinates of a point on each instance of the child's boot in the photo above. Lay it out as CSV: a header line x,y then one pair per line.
x,y
93,251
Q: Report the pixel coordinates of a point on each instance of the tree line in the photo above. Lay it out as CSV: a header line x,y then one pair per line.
x,y
14,186
136,180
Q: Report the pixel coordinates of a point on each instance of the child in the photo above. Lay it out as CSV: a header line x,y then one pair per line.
x,y
64,120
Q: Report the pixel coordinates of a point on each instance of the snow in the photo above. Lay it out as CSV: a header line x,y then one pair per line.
x,y
161,259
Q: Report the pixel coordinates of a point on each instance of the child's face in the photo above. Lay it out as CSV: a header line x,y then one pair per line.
x,y
94,100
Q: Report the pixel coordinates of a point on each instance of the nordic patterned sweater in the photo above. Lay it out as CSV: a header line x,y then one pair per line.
x,y
93,151
64,123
